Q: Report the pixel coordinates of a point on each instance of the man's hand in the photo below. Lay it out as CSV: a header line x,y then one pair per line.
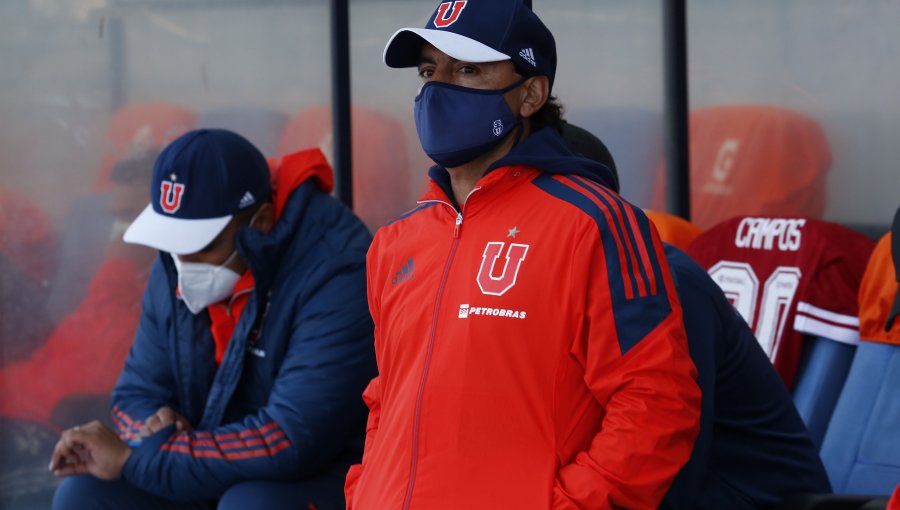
x,y
91,449
163,418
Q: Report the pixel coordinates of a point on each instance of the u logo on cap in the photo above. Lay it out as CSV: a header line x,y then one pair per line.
x,y
170,196
442,20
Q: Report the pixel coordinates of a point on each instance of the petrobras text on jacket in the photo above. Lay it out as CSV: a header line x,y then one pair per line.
x,y
466,310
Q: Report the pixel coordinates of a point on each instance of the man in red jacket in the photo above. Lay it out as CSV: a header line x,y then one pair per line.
x,y
529,339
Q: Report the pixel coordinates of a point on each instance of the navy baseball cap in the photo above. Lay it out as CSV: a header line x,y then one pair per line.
x,y
200,181
480,31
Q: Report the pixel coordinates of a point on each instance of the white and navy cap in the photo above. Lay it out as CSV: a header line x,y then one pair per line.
x,y
200,181
480,31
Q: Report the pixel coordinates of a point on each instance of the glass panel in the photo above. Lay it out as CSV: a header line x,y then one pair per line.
x,y
389,166
609,78
799,99
89,92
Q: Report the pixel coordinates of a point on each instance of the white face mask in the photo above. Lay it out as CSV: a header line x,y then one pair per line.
x,y
203,284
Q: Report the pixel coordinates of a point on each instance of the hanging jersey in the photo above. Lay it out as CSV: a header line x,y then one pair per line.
x,y
788,277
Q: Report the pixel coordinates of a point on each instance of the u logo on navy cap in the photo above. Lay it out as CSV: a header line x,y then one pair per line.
x,y
226,174
170,196
443,19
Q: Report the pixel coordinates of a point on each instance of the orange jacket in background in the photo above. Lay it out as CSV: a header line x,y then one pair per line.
x,y
876,296
754,160
674,230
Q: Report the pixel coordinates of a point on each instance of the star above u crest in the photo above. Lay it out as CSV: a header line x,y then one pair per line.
x,y
513,232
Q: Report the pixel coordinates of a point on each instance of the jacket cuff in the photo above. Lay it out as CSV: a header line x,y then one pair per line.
x,y
135,470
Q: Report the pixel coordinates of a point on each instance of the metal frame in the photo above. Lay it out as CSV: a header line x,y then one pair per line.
x,y
340,101
675,77
677,142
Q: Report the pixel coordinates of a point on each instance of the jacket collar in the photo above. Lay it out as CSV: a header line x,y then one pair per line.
x,y
544,150
295,178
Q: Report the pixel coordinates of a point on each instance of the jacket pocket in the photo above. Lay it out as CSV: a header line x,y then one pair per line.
x,y
561,501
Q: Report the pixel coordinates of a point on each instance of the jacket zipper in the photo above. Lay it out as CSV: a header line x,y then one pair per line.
x,y
437,305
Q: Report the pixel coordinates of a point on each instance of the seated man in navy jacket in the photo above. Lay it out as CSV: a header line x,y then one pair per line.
x,y
254,345
753,449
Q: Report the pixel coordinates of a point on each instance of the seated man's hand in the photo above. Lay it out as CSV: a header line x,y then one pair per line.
x,y
91,449
163,418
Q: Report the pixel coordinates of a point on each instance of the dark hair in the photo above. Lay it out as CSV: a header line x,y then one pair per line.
x,y
550,115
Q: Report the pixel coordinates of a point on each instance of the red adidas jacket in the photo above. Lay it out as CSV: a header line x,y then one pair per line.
x,y
530,349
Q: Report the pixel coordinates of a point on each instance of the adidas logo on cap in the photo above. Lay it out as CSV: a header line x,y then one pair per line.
x,y
528,55
247,200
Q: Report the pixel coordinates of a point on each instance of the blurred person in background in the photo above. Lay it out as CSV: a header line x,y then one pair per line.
x,y
529,340
242,385
67,379
27,261
753,449
90,225
85,352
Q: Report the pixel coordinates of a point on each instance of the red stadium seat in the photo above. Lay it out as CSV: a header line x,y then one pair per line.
x,y
136,129
380,161
755,160
28,256
261,126
139,127
27,239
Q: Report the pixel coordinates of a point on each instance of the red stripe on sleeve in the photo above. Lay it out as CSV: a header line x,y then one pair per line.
x,y
217,454
640,241
629,244
630,284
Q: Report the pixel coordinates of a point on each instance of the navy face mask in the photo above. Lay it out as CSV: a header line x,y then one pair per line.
x,y
458,124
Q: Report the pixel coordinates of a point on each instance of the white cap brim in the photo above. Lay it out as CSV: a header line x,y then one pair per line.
x,y
397,52
174,235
